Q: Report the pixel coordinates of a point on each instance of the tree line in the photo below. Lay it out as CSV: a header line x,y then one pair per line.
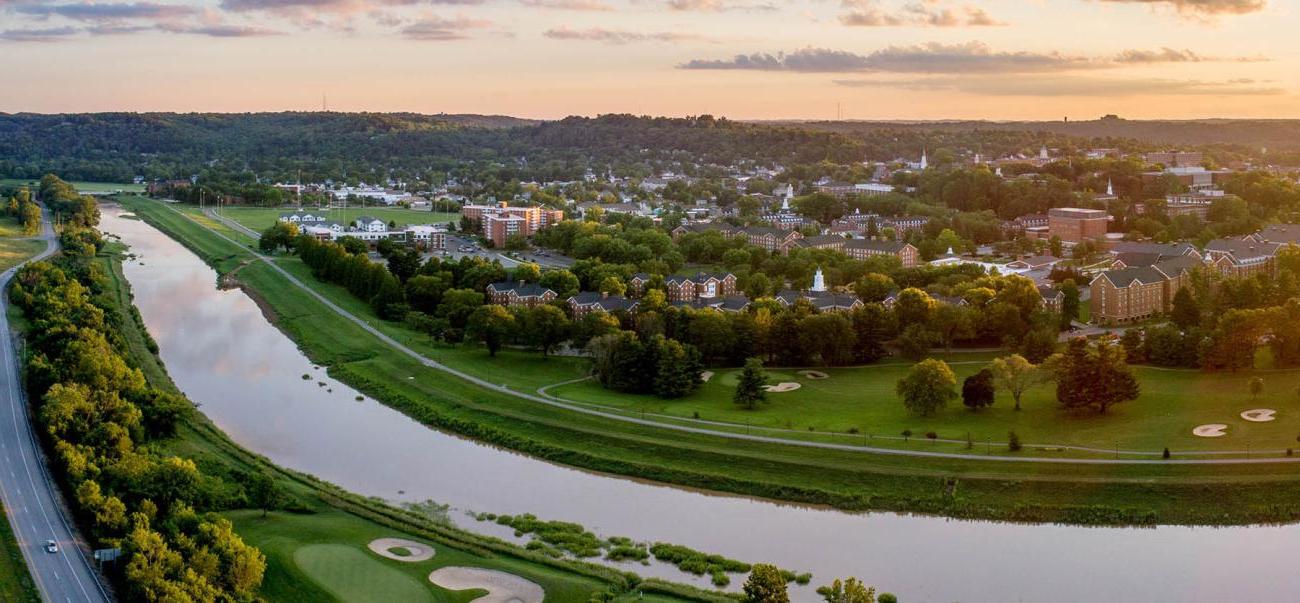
x,y
100,419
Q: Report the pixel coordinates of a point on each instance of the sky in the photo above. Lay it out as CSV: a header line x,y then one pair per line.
x,y
743,59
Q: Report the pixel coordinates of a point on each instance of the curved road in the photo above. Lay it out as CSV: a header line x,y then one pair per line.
x,y
32,501
559,403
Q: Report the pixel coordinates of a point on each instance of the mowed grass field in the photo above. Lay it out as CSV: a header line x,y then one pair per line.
x,y
11,227
1173,402
14,251
81,186
261,218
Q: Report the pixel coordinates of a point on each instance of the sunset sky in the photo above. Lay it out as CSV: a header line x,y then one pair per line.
x,y
744,59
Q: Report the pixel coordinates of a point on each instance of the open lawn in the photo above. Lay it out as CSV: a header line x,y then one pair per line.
x,y
82,187
11,227
260,218
15,582
14,251
1167,493
323,557
1173,402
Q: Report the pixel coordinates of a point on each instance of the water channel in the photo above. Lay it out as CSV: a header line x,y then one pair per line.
x,y
247,377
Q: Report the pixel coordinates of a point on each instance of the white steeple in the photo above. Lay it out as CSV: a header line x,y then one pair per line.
x,y
1110,188
1042,153
819,281
998,172
924,162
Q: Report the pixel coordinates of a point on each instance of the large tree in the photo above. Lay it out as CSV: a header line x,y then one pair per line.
x,y
544,327
1015,375
977,390
750,391
1094,376
490,324
765,585
928,387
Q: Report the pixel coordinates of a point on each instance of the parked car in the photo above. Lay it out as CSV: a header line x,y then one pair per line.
x,y
51,546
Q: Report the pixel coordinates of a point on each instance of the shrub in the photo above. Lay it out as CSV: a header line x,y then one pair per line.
x,y
1013,442
854,430
932,435
886,598
1166,454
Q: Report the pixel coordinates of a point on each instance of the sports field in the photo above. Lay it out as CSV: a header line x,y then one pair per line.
x,y
81,186
260,218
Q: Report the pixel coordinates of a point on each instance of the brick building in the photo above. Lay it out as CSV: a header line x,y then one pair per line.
x,y
1073,224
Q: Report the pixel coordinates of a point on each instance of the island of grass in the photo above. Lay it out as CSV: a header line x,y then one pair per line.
x,y
969,486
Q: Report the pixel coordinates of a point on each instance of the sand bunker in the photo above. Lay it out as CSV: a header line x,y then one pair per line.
x,y
1213,430
784,386
814,375
501,586
415,551
1259,415
705,376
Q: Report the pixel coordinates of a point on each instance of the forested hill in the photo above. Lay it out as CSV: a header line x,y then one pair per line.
x,y
119,146
257,147
1255,134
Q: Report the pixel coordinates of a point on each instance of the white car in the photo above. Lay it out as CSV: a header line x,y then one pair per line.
x,y
51,546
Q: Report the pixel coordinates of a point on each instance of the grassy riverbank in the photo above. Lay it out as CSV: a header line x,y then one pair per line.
x,y
15,582
318,514
1097,494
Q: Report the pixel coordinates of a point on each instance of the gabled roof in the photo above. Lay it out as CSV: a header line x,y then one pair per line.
x,y
1280,233
520,289
1164,250
828,239
1124,277
600,300
884,246
1174,266
1243,250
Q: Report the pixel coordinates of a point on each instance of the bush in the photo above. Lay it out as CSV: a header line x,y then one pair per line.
x,y
886,598
1013,442
1166,454
932,435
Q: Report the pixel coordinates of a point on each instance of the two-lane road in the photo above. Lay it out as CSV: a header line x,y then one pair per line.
x,y
32,501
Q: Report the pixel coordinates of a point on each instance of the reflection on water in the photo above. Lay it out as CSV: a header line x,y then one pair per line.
x,y
247,377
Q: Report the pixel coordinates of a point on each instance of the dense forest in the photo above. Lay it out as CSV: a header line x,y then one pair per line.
x,y
265,147
1246,137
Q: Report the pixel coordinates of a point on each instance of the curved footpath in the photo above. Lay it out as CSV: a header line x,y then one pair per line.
x,y
32,501
559,403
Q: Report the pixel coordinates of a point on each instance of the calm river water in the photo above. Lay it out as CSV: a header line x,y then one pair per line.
x,y
247,377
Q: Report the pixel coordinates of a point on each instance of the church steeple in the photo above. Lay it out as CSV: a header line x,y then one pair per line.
x,y
819,281
1110,188
925,163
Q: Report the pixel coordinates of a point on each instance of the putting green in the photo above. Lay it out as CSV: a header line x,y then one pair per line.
x,y
351,575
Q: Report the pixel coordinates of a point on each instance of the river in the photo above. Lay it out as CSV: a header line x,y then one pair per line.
x,y
247,377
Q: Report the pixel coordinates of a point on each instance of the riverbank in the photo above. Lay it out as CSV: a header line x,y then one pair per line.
x,y
317,513
1119,494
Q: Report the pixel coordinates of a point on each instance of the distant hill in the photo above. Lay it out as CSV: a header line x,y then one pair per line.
x,y
1254,134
